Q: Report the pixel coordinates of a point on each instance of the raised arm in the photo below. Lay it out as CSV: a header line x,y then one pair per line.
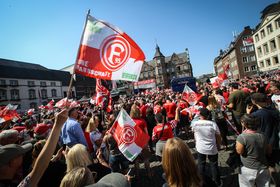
x,y
46,154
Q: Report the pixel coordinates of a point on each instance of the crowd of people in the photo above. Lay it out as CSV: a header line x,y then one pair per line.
x,y
74,147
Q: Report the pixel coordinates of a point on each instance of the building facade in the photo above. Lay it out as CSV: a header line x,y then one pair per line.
x,y
267,39
239,58
161,70
31,85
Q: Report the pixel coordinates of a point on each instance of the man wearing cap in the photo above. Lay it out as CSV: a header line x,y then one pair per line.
x,y
236,102
11,158
72,132
207,140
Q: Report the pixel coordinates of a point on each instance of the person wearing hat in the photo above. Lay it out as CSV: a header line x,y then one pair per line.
x,y
11,159
72,132
207,141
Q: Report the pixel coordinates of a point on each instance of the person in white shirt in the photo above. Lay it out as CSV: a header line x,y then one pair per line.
x,y
275,90
208,139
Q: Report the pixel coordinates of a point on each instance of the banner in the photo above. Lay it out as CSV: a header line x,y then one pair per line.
x,y
130,138
108,53
189,95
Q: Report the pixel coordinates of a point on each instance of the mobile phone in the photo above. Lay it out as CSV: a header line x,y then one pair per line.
x,y
64,147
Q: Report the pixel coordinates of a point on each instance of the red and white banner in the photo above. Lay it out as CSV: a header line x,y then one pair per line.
x,y
108,53
189,95
30,112
248,41
130,138
9,113
151,83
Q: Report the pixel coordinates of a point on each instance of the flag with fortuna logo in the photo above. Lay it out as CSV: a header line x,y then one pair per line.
x,y
130,138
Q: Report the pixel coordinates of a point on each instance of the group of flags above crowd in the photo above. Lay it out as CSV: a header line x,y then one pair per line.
x,y
108,53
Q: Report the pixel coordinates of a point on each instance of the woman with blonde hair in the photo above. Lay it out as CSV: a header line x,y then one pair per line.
x,y
77,156
77,177
179,165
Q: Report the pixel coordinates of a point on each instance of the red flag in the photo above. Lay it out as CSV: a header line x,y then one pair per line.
x,y
130,138
189,95
30,112
49,106
108,53
63,103
102,93
9,113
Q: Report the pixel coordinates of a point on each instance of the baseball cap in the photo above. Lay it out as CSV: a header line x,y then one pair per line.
x,y
112,180
11,151
41,128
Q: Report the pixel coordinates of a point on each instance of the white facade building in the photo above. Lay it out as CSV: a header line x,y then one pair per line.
x,y
267,42
31,85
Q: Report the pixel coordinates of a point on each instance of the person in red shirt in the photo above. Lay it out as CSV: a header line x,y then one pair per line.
x,y
163,131
170,108
143,108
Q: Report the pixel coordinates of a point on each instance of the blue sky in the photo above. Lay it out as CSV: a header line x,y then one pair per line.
x,y
48,32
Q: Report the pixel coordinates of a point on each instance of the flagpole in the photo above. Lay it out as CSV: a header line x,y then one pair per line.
x,y
73,73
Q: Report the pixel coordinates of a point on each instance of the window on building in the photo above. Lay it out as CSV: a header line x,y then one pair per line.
x,y
269,29
262,34
33,105
277,23
32,94
250,48
13,82
261,64
268,63
253,68
53,84
14,94
257,37
3,95
259,51
43,84
243,49
252,58
275,60
246,69
54,94
141,76
178,68
265,48
31,83
2,82
273,45
44,94
244,59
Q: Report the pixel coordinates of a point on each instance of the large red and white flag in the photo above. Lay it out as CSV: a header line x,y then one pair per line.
x,y
108,53
9,113
189,95
103,94
130,138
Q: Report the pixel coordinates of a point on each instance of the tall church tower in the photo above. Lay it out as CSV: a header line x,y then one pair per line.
x,y
160,69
